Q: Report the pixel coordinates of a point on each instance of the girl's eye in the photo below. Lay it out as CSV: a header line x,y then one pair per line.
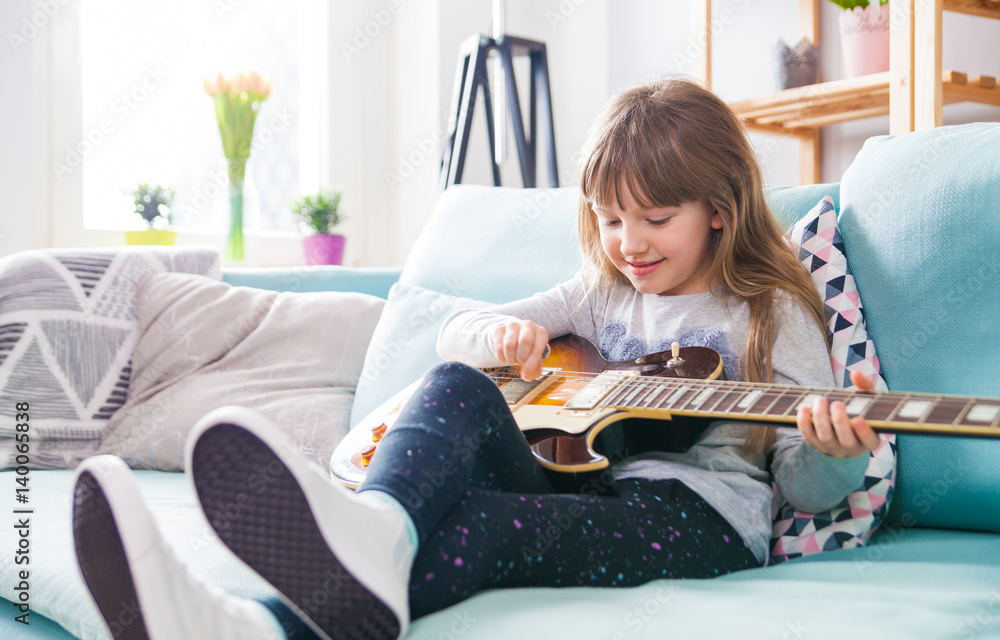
x,y
659,222
609,223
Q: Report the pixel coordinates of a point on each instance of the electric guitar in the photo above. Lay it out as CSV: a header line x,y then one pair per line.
x,y
580,393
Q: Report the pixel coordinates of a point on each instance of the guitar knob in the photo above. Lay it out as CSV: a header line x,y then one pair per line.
x,y
378,432
366,455
676,360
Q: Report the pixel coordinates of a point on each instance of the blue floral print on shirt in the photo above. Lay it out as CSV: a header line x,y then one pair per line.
x,y
615,344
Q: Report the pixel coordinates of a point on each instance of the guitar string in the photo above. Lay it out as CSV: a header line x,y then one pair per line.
x,y
775,391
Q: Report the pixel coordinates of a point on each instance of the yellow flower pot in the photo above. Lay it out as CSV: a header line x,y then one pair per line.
x,y
151,236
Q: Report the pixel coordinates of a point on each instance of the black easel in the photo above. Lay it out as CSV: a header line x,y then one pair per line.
x,y
470,77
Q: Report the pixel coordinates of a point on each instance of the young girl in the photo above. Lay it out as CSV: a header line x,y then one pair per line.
x,y
680,246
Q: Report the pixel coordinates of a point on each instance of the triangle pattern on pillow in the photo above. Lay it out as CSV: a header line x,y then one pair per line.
x,y
29,285
32,381
116,398
95,347
88,267
9,335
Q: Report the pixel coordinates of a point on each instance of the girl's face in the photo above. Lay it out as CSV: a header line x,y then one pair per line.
x,y
663,250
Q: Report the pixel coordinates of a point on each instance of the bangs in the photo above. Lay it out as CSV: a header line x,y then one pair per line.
x,y
651,168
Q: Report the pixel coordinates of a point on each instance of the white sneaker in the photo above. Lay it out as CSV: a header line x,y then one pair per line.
x,y
139,585
340,560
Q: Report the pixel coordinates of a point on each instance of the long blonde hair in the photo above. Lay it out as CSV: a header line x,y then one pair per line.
x,y
670,142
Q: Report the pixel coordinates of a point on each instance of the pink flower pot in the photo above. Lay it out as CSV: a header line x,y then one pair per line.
x,y
324,249
864,36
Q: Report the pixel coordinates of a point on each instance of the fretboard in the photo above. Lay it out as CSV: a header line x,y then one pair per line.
x,y
885,411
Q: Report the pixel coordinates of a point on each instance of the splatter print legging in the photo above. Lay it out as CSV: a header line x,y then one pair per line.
x,y
487,516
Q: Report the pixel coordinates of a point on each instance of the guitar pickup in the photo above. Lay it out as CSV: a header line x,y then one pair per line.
x,y
517,388
597,389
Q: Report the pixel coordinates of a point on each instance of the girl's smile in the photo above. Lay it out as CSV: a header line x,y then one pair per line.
x,y
661,250
644,268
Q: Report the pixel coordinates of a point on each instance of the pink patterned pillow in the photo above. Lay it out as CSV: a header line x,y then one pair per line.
x,y
851,523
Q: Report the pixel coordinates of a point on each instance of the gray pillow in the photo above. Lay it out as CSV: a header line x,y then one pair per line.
x,y
68,325
295,357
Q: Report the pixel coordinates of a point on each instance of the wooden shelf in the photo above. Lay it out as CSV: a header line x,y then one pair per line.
x,y
915,84
797,112
984,8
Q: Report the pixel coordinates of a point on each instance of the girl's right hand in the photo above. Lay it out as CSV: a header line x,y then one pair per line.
x,y
521,342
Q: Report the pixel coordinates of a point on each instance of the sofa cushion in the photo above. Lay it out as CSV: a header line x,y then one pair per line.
x,y
404,344
496,244
68,324
908,583
295,357
850,523
919,219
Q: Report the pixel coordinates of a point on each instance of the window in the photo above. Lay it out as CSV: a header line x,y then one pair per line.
x,y
146,117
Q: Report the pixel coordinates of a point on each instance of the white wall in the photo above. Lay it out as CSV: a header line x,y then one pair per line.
x,y
20,123
388,101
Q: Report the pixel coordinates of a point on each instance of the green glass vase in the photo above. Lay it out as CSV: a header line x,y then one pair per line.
x,y
237,168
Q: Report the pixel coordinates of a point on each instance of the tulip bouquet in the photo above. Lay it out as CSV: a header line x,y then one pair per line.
x,y
237,102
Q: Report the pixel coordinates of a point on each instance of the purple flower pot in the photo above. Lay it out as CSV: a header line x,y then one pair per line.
x,y
324,249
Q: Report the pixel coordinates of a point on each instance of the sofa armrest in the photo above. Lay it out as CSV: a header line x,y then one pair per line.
x,y
374,281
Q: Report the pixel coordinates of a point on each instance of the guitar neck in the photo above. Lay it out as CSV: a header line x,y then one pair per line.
x,y
893,412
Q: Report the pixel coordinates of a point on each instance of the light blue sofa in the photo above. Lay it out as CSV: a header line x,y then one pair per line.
x,y
920,217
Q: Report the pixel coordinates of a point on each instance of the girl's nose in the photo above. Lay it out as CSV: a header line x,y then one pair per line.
x,y
633,242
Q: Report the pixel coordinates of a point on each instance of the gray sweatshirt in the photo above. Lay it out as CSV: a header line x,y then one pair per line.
x,y
626,324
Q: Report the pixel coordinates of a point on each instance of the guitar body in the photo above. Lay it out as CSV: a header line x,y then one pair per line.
x,y
558,421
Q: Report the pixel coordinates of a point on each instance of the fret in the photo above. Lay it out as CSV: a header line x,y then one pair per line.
x,y
794,404
983,412
996,422
651,392
733,402
765,400
965,409
839,395
913,409
899,406
881,408
767,410
808,400
634,390
785,402
655,401
702,396
679,400
858,404
946,410
724,392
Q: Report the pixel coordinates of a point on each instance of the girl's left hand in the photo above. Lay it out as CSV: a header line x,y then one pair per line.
x,y
828,429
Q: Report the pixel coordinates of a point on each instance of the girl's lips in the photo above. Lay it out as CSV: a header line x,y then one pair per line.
x,y
643,268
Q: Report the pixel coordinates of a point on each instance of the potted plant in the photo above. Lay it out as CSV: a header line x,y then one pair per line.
x,y
152,202
864,36
320,213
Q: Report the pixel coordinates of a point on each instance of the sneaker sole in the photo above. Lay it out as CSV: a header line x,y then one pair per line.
x,y
274,532
102,559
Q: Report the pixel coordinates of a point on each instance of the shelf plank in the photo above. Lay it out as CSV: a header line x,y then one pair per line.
x,y
983,8
795,112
